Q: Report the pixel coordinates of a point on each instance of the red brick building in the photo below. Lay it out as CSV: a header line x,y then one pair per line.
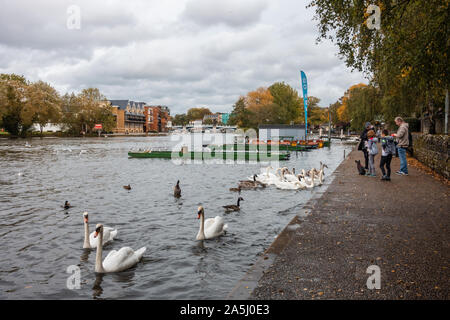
x,y
156,118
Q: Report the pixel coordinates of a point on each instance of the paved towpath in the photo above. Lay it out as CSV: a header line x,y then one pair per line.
x,y
402,226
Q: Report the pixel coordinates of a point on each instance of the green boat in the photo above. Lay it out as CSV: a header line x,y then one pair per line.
x,y
264,147
212,155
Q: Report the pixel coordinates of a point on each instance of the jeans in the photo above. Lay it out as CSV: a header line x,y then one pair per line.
x,y
386,161
372,164
402,156
366,158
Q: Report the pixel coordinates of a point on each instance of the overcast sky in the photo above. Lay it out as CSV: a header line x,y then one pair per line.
x,y
179,53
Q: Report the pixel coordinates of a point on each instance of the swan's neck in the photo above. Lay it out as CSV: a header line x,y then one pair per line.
x,y
239,200
87,244
201,231
98,257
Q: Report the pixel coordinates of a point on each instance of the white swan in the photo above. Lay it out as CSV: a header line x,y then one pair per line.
x,y
115,261
307,182
90,241
211,228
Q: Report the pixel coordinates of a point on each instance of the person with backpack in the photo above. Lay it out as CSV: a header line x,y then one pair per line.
x,y
402,136
387,152
373,151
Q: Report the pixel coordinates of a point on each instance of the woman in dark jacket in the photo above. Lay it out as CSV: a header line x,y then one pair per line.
x,y
362,143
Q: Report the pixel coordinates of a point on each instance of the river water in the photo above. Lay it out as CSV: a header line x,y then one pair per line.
x,y
41,240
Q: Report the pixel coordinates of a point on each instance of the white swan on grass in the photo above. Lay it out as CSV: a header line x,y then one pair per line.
x,y
115,261
90,241
211,228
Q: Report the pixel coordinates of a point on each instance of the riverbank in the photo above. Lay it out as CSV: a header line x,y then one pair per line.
x,y
400,226
93,135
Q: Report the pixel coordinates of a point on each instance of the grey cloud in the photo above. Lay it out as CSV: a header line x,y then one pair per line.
x,y
233,13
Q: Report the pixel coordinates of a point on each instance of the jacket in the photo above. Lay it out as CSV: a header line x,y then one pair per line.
x,y
402,136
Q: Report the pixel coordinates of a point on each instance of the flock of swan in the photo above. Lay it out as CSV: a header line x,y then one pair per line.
x,y
126,257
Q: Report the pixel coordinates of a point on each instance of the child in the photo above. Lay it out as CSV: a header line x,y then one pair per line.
x,y
373,151
388,150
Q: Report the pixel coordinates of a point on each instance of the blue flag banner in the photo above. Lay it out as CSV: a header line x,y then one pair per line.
x,y
305,100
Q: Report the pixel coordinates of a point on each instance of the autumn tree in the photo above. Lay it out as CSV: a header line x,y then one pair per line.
x,y
406,59
197,113
14,109
44,104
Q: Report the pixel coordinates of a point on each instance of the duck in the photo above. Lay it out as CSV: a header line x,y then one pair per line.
x,y
177,190
128,187
67,205
234,207
211,228
116,260
89,239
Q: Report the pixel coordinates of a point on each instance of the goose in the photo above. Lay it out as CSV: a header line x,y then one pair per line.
x,y
89,240
128,187
211,228
238,189
252,183
234,207
177,190
115,261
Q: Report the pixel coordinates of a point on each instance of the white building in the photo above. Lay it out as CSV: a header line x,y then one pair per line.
x,y
277,132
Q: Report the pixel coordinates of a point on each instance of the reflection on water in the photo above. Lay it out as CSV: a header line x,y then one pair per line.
x,y
43,239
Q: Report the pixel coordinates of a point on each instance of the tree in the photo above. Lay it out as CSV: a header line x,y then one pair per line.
x,y
407,59
13,104
45,103
288,102
240,116
180,120
197,113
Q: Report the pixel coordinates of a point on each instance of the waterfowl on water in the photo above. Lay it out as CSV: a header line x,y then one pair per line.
x,y
234,207
115,261
67,205
238,189
128,187
90,241
177,190
249,184
211,228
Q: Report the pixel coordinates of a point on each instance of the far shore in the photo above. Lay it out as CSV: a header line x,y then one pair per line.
x,y
94,135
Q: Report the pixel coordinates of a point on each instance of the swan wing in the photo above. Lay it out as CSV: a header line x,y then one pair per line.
x,y
215,228
123,259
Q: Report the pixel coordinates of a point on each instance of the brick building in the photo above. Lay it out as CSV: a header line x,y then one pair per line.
x,y
130,116
156,118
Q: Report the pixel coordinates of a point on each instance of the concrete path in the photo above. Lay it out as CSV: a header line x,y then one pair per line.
x,y
400,226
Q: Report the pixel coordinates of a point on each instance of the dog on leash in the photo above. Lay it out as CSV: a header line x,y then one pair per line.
x,y
361,169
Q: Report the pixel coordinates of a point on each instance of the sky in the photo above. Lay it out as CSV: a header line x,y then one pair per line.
x,y
178,53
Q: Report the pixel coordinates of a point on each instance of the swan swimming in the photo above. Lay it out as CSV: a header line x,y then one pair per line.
x,y
115,261
211,228
90,241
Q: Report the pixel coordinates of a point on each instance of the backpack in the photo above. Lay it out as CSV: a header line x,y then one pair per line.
x,y
410,142
373,149
390,146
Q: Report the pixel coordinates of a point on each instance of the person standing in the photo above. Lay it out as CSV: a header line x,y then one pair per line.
x,y
402,144
363,144
373,151
387,151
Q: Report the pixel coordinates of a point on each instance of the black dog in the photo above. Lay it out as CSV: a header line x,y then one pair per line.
x,y
361,169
